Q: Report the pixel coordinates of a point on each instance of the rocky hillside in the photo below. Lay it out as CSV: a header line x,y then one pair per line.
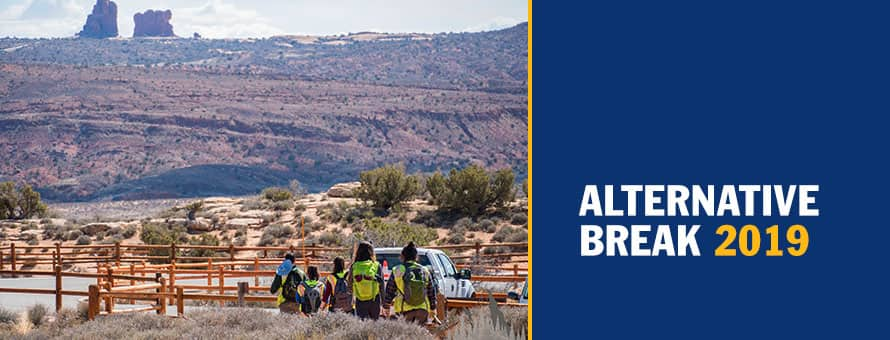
x,y
168,118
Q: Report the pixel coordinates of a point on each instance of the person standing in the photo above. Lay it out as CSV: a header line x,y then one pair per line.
x,y
366,282
410,290
337,294
287,280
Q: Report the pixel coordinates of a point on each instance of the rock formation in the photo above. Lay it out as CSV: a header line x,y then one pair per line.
x,y
102,23
344,190
153,24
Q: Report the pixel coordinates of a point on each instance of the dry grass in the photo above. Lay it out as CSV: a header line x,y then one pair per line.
x,y
228,323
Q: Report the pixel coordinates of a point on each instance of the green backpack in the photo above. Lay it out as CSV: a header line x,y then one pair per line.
x,y
364,280
415,282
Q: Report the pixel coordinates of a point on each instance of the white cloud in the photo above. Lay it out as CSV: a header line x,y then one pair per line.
x,y
42,18
217,19
493,24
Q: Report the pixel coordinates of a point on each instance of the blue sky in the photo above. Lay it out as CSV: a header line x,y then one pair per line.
x,y
261,18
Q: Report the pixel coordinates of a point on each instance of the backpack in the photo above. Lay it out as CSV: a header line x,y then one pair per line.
x,y
311,297
366,290
414,282
342,294
289,287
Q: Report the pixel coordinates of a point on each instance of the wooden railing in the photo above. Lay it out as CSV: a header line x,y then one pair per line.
x,y
15,255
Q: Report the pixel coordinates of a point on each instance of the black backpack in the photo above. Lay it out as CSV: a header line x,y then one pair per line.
x,y
289,288
342,295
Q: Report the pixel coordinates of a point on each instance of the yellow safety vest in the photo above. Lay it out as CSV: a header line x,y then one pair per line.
x,y
398,303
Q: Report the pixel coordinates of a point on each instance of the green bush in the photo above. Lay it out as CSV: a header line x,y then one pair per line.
x,y
472,190
276,194
20,203
456,236
205,239
387,186
395,234
153,233
519,219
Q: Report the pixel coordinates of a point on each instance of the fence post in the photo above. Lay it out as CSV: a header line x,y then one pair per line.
x,y
59,253
256,269
478,247
12,254
161,299
180,304
109,301
117,253
172,275
172,251
441,306
93,306
242,290
58,270
159,290
209,273
515,273
232,253
132,273
222,282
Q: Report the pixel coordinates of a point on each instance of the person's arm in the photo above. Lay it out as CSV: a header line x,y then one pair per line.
x,y
431,290
380,283
391,291
276,284
326,298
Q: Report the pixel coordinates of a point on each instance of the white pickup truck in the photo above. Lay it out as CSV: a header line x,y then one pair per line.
x,y
452,283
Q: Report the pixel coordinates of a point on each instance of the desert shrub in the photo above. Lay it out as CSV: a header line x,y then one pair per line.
x,y
7,318
472,190
73,235
84,240
479,323
20,203
510,234
153,233
387,186
128,232
276,234
56,232
464,223
205,239
30,239
437,218
456,235
37,314
252,204
519,219
392,234
276,194
239,241
299,208
282,205
487,226
193,208
330,238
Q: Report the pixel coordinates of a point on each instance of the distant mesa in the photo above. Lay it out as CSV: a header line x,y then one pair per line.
x,y
102,23
153,24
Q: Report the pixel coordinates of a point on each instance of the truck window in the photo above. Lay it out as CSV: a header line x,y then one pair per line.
x,y
447,265
392,260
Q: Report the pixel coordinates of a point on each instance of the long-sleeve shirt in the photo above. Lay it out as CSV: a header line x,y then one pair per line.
x,y
392,290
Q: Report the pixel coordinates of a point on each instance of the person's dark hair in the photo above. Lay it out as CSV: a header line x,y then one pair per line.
x,y
312,272
364,252
290,257
410,252
338,265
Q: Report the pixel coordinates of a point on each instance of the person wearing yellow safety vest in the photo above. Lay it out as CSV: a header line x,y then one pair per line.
x,y
365,280
410,289
287,280
311,291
